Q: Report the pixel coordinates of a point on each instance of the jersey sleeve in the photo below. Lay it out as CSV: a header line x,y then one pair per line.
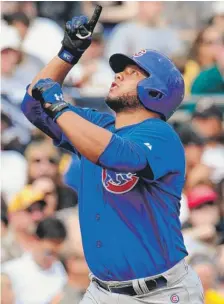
x,y
36,115
97,118
152,150
162,147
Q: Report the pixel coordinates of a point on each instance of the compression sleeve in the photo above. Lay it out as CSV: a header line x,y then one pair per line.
x,y
33,111
35,114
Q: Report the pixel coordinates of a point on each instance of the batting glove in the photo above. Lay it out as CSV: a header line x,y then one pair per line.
x,y
50,95
78,36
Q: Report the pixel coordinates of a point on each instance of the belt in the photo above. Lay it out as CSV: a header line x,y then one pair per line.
x,y
129,289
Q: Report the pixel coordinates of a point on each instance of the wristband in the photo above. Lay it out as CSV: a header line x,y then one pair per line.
x,y
68,57
55,110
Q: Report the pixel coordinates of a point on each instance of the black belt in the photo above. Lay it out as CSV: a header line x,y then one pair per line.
x,y
129,290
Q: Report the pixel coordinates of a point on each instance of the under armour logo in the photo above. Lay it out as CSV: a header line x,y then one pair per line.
x,y
148,145
58,97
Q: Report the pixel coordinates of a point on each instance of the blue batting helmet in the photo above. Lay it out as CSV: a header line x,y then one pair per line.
x,y
163,90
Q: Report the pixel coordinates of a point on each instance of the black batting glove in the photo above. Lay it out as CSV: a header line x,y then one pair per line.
x,y
78,36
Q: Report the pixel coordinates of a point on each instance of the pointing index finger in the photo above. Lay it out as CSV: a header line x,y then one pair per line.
x,y
93,21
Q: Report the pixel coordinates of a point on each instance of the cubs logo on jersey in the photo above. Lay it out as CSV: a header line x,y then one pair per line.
x,y
118,183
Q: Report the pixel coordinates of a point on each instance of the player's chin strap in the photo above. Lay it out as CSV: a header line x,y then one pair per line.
x,y
56,109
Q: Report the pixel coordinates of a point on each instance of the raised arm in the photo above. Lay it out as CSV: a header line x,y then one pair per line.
x,y
57,69
91,141
77,39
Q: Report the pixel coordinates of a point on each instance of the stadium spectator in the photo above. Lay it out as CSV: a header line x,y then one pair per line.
x,y
78,279
206,269
10,137
204,48
17,66
202,54
13,173
43,161
4,218
24,212
30,203
220,263
7,294
37,276
54,196
92,75
74,261
217,19
213,74
204,214
14,126
59,11
202,136
207,120
143,32
193,145
35,41
21,22
113,12
46,186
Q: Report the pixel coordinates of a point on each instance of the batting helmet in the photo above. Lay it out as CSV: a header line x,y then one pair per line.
x,y
163,90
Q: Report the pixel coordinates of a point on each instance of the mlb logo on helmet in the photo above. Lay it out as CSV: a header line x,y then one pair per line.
x,y
118,183
174,298
142,52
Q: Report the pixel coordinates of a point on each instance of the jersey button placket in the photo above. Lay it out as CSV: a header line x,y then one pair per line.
x,y
98,244
97,217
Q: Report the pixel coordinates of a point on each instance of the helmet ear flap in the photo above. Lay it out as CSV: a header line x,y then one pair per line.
x,y
155,94
150,92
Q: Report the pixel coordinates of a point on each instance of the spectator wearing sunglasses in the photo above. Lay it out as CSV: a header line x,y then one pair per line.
x,y
29,202
24,212
38,275
44,162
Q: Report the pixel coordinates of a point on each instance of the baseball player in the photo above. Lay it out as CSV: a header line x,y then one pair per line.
x,y
131,173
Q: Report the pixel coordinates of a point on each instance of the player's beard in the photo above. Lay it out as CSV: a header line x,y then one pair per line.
x,y
123,103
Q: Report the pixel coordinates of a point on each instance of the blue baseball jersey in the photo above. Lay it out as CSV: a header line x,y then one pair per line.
x,y
129,203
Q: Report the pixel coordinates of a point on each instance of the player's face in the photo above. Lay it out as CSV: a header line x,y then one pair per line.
x,y
123,91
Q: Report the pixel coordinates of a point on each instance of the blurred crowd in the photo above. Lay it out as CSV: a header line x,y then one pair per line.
x,y
42,260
